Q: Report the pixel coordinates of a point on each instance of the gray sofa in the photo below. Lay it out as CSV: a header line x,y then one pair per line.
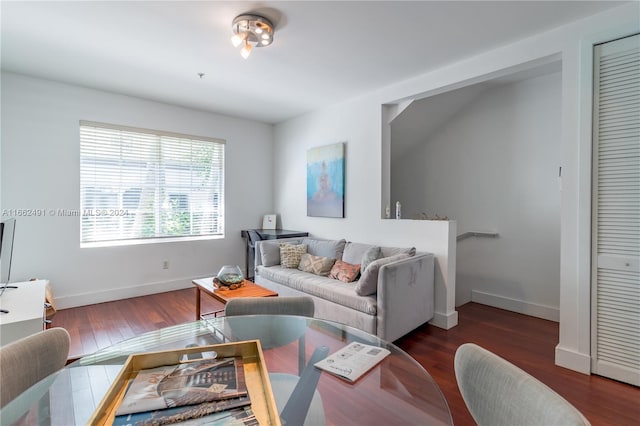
x,y
401,281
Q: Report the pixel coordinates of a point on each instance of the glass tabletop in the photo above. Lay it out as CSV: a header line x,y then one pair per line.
x,y
396,391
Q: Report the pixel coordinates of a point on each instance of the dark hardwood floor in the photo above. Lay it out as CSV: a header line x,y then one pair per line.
x,y
525,341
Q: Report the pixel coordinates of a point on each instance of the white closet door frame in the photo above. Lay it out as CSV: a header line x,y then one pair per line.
x,y
615,276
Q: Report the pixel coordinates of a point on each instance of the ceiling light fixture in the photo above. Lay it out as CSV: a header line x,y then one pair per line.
x,y
251,31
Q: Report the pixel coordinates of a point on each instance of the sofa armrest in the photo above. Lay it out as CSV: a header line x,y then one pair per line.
x,y
257,258
405,295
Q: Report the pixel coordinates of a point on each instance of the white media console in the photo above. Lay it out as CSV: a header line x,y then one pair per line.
x,y
26,310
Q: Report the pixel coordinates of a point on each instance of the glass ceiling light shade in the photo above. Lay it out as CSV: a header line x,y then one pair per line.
x,y
246,50
236,40
253,30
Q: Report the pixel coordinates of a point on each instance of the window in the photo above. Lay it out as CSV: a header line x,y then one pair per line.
x,y
139,184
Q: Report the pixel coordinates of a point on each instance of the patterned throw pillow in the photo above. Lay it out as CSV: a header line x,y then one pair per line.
x,y
290,254
345,272
317,265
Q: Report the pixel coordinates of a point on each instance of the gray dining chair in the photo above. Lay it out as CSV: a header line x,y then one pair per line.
x,y
297,398
25,362
280,331
499,393
296,305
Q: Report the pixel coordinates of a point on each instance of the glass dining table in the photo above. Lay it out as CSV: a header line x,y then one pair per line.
x,y
397,391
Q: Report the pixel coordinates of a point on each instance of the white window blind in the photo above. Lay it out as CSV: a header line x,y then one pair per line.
x,y
139,184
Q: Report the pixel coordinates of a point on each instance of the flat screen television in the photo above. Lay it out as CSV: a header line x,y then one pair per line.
x,y
7,230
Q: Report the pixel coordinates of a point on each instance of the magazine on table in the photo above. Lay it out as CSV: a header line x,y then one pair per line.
x,y
190,383
352,361
236,417
227,412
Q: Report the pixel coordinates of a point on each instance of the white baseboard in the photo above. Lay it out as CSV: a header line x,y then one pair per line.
x,y
573,360
109,295
515,305
445,321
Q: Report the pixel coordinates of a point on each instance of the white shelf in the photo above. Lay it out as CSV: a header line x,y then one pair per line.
x,y
26,310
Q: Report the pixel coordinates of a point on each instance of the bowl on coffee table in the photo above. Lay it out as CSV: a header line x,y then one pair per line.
x,y
230,276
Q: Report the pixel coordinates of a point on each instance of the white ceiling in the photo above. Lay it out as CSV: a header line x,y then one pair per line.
x,y
324,52
425,116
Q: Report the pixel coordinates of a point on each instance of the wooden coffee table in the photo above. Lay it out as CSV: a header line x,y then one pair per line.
x,y
249,289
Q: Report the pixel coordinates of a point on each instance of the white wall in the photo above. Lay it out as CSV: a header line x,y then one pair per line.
x,y
360,123
40,169
493,166
352,123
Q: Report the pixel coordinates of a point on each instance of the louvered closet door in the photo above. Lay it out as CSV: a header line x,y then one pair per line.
x,y
616,211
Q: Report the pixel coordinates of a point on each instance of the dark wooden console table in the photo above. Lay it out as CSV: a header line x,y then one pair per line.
x,y
252,235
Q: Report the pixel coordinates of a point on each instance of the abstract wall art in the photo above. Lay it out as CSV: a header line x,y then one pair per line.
x,y
325,181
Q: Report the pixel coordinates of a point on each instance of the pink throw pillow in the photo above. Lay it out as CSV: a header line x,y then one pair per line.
x,y
345,272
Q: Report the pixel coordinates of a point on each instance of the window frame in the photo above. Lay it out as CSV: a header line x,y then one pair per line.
x,y
167,199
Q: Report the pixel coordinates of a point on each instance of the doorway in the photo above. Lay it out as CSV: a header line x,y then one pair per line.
x,y
487,155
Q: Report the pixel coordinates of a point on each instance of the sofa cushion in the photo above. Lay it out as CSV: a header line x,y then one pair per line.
x,y
316,265
291,254
326,288
368,282
345,272
270,253
390,251
353,252
325,248
369,256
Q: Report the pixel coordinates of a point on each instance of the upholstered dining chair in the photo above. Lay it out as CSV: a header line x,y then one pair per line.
x,y
296,305
499,393
284,331
297,399
25,362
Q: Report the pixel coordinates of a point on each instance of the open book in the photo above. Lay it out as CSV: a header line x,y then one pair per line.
x,y
202,381
352,361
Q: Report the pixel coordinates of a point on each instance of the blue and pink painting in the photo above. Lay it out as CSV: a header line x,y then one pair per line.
x,y
325,181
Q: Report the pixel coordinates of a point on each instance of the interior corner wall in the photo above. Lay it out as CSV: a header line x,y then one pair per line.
x,y
493,167
359,122
41,170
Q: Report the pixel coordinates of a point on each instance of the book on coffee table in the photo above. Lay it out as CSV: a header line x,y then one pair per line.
x,y
185,384
352,361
